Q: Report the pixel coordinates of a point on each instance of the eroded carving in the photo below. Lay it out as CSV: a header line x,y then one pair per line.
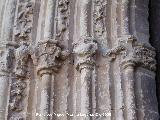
x,y
17,95
85,49
63,14
139,53
49,55
22,55
24,21
132,51
99,17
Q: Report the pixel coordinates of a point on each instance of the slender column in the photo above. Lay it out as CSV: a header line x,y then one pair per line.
x,y
46,79
128,63
129,88
85,51
6,35
6,58
49,55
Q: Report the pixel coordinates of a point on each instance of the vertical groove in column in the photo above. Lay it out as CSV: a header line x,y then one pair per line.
x,y
129,88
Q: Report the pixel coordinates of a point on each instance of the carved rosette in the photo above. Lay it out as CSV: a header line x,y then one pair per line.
x,y
23,23
62,18
85,49
49,56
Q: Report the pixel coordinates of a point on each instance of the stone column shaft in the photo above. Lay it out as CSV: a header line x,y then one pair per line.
x,y
49,20
85,49
86,80
129,83
4,82
46,79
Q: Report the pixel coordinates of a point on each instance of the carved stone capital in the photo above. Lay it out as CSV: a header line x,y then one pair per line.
x,y
141,54
49,56
85,49
133,53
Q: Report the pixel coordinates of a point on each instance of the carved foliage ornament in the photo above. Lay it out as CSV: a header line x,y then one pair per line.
x,y
19,85
17,95
49,55
99,16
63,14
132,51
22,55
85,49
140,54
24,20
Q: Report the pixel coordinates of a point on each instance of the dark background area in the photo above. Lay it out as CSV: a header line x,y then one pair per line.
x,y
154,19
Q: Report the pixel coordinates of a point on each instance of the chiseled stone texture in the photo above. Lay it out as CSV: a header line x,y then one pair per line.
x,y
79,60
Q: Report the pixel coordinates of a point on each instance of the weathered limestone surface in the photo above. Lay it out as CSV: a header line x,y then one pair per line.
x,y
78,60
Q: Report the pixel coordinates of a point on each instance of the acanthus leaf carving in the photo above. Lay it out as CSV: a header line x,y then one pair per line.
x,y
85,49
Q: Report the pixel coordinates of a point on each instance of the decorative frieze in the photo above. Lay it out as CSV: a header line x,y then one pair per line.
x,y
99,17
62,18
23,24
